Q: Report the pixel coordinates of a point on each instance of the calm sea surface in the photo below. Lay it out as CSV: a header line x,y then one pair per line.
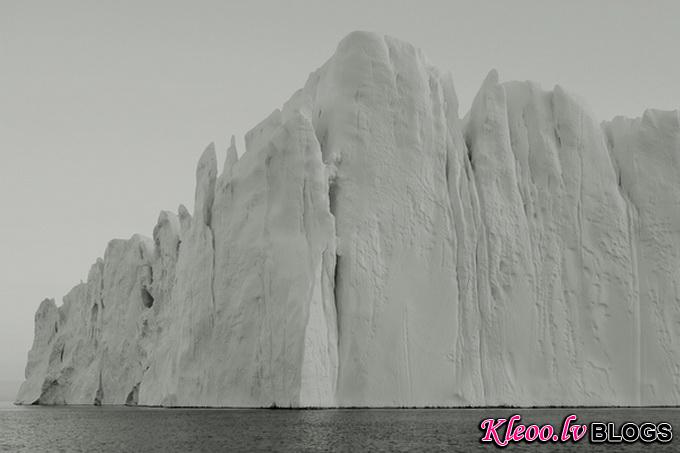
x,y
114,429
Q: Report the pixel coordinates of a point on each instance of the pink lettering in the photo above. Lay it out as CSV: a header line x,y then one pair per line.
x,y
491,433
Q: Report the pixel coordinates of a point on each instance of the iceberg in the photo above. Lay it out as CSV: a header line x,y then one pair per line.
x,y
371,248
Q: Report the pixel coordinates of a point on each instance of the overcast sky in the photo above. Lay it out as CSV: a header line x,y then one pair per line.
x,y
105,106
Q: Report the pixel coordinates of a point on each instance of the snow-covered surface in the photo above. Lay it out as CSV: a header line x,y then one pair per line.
x,y
370,248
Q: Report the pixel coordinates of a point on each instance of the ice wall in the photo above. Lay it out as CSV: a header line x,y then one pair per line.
x,y
646,154
370,248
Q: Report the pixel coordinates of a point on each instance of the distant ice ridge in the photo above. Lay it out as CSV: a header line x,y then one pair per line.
x,y
370,248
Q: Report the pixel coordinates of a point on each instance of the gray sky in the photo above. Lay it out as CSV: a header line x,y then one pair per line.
x,y
105,106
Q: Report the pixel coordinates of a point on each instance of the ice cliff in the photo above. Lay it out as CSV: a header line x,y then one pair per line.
x,y
371,248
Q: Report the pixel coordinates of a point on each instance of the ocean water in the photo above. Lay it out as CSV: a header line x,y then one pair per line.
x,y
123,429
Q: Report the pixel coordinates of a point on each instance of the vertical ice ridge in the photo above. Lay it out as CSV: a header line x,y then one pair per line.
x,y
479,294
461,189
318,355
506,236
482,295
633,241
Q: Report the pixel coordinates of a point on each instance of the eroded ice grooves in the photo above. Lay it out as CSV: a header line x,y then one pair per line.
x,y
370,248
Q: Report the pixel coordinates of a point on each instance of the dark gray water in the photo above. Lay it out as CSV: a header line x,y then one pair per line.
x,y
120,429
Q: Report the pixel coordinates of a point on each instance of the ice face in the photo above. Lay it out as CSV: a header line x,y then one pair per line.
x,y
370,248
